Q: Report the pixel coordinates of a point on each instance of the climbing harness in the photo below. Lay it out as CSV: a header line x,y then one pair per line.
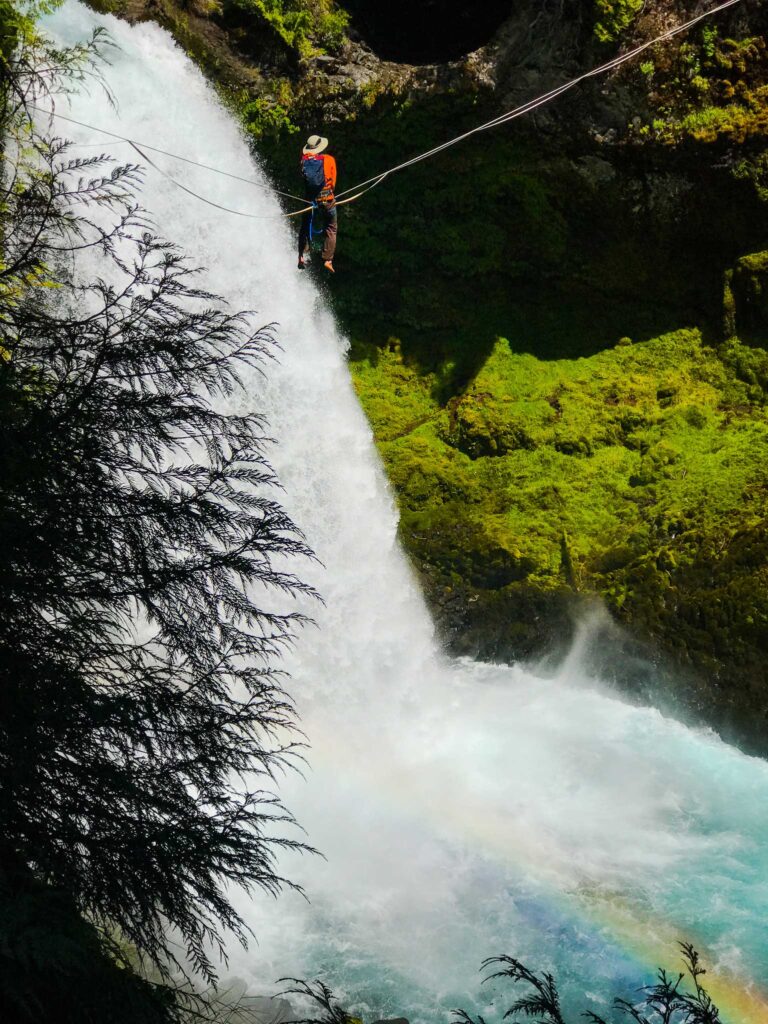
x,y
356,192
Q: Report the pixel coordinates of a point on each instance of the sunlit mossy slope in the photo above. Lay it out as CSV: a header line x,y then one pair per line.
x,y
639,474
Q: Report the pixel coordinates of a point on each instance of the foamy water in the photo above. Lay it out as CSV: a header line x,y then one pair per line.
x,y
463,810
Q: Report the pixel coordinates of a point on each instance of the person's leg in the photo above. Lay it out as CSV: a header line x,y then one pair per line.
x,y
304,236
329,243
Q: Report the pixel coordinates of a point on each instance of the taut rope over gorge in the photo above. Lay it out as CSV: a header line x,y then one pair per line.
x,y
356,192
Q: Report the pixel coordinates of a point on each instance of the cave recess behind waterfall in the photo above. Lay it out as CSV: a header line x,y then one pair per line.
x,y
428,31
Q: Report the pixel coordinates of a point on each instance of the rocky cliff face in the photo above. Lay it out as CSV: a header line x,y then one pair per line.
x,y
558,327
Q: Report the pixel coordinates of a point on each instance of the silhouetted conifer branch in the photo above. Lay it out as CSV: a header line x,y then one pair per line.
x,y
544,1000
320,994
146,581
678,999
666,1002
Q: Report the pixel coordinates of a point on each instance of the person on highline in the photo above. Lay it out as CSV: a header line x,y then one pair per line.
x,y
318,169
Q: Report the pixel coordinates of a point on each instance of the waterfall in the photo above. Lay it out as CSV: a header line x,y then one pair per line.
x,y
462,809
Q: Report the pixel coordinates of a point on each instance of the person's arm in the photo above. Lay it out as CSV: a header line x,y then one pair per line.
x,y
330,170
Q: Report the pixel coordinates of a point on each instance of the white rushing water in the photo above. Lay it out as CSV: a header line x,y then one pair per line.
x,y
463,810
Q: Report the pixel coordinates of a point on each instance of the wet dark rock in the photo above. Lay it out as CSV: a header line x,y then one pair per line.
x,y
429,31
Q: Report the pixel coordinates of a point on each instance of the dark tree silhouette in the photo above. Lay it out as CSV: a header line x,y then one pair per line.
x,y
543,1001
666,1002
55,967
144,560
318,993
674,999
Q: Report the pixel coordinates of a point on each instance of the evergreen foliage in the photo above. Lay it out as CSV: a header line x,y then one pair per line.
x,y
146,587
675,998
317,993
667,1001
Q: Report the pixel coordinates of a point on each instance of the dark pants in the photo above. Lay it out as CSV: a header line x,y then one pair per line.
x,y
325,222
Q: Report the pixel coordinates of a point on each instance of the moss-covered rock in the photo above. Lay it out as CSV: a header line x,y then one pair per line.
x,y
749,284
639,474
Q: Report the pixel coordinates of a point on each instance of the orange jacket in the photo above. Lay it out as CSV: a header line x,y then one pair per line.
x,y
330,170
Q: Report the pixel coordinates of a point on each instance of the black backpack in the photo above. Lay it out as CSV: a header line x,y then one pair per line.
x,y
313,169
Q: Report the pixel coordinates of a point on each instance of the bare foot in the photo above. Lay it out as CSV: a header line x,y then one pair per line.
x,y
329,266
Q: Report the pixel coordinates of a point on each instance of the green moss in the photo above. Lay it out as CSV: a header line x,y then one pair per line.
x,y
407,401
614,17
737,122
748,306
713,91
306,26
264,116
636,474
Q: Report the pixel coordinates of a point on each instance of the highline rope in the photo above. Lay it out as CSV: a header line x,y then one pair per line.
x,y
354,193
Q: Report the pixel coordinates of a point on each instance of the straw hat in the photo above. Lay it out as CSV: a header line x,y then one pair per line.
x,y
315,144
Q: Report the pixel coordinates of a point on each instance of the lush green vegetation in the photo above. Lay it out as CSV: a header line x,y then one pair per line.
x,y
537,452
613,18
306,26
638,473
710,89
